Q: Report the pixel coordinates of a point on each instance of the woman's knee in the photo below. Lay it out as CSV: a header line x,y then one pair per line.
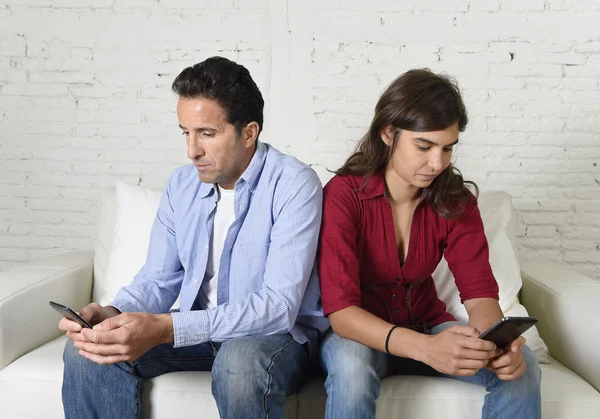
x,y
351,367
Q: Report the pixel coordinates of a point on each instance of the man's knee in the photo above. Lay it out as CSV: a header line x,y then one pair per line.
x,y
246,364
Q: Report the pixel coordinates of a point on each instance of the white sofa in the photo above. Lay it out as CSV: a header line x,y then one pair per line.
x,y
565,302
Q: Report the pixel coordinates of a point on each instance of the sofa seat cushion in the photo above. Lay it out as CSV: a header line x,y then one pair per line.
x,y
564,395
39,375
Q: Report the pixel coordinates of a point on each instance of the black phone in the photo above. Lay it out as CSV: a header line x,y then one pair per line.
x,y
70,314
507,329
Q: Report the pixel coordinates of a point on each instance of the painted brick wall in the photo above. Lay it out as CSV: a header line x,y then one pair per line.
x,y
85,100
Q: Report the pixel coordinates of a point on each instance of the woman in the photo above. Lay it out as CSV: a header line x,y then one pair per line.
x,y
390,213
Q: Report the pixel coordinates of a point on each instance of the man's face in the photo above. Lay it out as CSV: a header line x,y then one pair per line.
x,y
220,156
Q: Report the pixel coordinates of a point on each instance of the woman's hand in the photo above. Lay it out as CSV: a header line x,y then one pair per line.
x,y
457,351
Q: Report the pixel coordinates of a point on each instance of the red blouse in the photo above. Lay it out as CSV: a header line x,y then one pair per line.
x,y
358,256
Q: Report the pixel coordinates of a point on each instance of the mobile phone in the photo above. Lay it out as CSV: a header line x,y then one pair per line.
x,y
70,314
507,329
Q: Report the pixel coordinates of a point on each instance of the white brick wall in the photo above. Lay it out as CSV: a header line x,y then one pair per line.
x,y
85,100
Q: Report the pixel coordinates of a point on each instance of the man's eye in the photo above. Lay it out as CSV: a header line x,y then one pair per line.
x,y
423,148
185,133
448,150
208,134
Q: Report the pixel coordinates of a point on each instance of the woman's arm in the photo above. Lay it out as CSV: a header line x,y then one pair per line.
x,y
455,351
483,312
361,326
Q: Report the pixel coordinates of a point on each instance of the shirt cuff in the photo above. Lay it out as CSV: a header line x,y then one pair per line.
x,y
124,306
190,328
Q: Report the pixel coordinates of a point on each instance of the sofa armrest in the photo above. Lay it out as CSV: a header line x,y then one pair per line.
x,y
567,306
26,319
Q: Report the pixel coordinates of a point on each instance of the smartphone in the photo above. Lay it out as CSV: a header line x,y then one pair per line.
x,y
70,314
507,329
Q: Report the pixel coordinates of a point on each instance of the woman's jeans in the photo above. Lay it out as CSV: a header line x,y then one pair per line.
x,y
354,373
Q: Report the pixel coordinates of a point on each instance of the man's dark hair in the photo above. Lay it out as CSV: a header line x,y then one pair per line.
x,y
227,83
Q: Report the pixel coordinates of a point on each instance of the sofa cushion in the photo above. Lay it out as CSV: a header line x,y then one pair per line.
x,y
565,395
39,376
136,209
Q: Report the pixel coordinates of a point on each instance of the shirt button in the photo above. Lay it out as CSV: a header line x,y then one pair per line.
x,y
393,296
396,312
195,281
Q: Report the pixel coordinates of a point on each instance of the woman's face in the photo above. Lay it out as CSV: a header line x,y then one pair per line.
x,y
419,157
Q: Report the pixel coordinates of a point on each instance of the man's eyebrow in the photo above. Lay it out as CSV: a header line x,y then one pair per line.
x,y
199,128
425,140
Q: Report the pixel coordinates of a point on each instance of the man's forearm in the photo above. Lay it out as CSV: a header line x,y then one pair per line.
x,y
483,312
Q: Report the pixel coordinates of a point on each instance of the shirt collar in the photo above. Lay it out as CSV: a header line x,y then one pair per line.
x,y
250,176
375,186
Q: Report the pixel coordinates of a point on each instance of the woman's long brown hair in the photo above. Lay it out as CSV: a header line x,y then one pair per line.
x,y
418,100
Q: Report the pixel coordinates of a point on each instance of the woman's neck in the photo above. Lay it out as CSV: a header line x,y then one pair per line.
x,y
398,191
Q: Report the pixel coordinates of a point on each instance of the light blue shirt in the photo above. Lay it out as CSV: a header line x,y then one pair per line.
x,y
267,276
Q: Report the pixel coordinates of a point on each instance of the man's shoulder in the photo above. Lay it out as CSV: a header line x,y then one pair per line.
x,y
282,167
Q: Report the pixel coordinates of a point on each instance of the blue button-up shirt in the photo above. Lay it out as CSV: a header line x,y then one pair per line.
x,y
267,276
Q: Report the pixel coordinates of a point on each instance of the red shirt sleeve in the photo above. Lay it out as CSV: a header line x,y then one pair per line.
x,y
337,258
468,256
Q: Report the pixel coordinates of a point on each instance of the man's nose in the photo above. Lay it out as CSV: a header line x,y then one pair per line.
x,y
194,147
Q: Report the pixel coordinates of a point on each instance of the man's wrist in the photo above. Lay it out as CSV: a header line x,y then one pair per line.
x,y
167,328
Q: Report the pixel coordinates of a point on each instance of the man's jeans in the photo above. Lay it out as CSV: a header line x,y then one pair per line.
x,y
355,372
251,377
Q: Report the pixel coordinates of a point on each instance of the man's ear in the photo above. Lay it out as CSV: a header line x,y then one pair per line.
x,y
250,134
387,135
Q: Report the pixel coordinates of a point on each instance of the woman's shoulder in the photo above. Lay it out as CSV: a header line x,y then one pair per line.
x,y
344,185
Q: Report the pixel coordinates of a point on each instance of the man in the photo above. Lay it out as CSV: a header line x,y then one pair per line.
x,y
236,237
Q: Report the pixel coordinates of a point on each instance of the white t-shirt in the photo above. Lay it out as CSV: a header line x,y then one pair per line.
x,y
224,217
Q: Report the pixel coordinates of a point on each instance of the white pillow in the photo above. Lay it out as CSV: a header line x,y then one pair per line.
x,y
496,213
136,210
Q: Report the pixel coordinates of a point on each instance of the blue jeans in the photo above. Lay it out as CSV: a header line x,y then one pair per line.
x,y
354,373
251,377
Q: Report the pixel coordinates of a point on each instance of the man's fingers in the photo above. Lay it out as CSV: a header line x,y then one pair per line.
x,y
68,325
113,322
76,337
104,350
89,311
103,360
104,337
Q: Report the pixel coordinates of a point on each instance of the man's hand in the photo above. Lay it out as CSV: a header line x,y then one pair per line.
x,y
93,313
457,351
510,364
125,337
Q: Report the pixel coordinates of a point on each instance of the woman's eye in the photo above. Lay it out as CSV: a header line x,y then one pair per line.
x,y
185,133
448,150
423,148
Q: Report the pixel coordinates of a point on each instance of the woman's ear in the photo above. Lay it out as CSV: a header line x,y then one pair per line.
x,y
387,135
